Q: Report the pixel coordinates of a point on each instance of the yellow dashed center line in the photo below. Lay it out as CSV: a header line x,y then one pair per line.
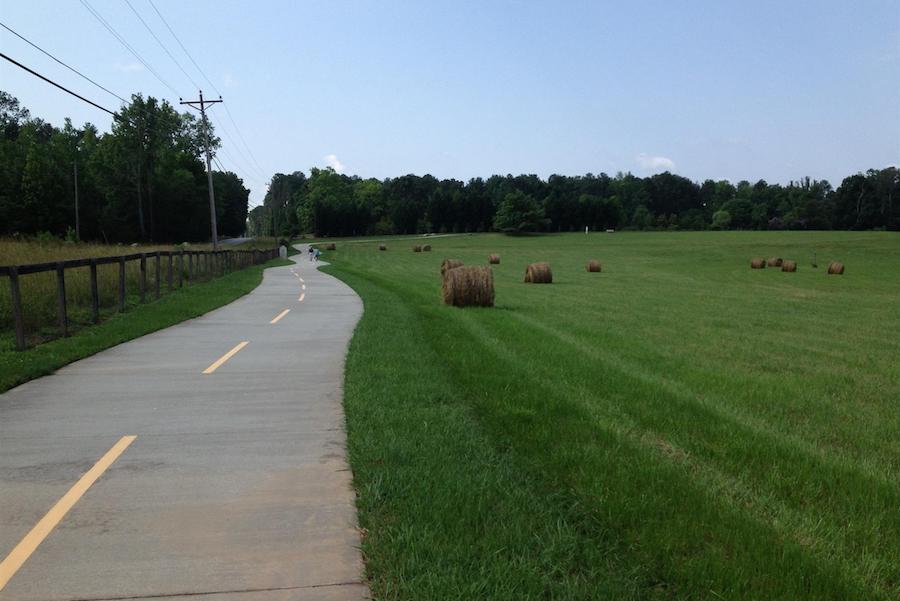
x,y
225,357
280,315
301,297
302,286
27,546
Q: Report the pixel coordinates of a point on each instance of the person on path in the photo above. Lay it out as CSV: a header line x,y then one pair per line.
x,y
317,255
310,254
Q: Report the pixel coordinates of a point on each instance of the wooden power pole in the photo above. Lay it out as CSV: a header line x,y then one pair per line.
x,y
77,220
201,106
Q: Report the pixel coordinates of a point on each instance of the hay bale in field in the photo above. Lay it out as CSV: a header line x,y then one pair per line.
x,y
330,246
593,266
538,273
468,286
448,264
775,261
426,248
382,247
757,263
417,248
789,266
494,259
835,268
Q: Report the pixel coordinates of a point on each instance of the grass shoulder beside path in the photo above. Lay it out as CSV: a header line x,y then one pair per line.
x,y
676,427
175,307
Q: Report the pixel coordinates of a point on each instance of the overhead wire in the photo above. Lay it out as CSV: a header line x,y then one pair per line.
x,y
70,68
215,89
122,41
79,96
241,136
238,149
252,162
61,87
161,45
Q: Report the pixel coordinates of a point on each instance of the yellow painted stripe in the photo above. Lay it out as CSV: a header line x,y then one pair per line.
x,y
280,315
301,297
303,287
27,546
299,278
225,357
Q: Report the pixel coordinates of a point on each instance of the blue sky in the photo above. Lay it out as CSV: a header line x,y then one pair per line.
x,y
736,90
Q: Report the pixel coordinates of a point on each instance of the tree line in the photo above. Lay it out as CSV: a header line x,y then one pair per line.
x,y
145,180
332,204
142,181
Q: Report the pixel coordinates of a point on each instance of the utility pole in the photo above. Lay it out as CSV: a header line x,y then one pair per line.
x,y
77,221
212,195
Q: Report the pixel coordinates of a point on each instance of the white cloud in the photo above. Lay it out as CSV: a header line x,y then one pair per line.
x,y
652,163
129,67
334,163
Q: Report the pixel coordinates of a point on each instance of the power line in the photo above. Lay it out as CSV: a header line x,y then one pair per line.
x,y
63,88
227,111
161,45
72,69
122,41
238,149
166,23
241,136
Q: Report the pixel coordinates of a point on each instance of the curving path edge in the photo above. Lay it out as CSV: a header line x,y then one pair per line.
x,y
236,485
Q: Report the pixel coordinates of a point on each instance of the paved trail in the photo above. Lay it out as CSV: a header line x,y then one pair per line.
x,y
235,485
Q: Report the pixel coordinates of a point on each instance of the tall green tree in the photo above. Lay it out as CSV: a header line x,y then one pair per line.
x,y
519,213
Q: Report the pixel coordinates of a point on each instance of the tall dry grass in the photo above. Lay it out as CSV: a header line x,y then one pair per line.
x,y
39,292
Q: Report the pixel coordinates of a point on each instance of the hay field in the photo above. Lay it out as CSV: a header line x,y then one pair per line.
x,y
678,426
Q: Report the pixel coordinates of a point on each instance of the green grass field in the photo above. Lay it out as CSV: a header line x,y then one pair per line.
x,y
678,426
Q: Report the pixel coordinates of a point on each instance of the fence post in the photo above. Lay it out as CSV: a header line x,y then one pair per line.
x,y
170,274
95,294
121,284
190,273
143,277
157,274
16,298
181,268
61,299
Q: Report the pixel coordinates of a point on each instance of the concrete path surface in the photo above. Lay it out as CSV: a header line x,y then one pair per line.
x,y
235,484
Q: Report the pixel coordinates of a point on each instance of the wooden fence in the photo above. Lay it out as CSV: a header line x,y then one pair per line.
x,y
191,265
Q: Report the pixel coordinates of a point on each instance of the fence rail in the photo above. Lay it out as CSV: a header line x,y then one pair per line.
x,y
200,264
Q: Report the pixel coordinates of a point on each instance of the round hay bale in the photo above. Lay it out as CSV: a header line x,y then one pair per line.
x,y
789,266
593,266
468,286
448,264
382,247
835,268
417,249
538,273
757,263
494,259
426,248
330,246
775,261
